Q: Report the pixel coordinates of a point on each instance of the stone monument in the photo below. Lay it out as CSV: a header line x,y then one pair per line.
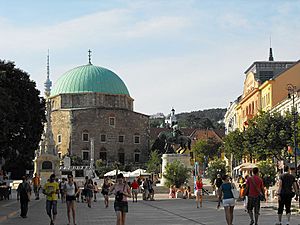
x,y
46,160
185,159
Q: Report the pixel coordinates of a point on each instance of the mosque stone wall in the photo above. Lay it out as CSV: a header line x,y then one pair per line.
x,y
66,101
96,122
61,126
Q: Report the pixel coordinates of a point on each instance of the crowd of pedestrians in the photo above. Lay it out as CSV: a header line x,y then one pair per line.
x,y
69,192
252,192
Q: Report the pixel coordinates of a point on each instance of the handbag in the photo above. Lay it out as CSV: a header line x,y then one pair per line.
x,y
235,192
261,195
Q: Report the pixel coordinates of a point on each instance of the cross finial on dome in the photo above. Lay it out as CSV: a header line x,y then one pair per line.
x,y
90,56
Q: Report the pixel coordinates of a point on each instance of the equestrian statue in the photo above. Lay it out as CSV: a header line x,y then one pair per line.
x,y
172,142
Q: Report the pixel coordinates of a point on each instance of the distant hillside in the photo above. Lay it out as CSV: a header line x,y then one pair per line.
x,y
202,119
208,118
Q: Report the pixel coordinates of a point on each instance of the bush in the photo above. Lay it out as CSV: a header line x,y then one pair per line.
x,y
176,174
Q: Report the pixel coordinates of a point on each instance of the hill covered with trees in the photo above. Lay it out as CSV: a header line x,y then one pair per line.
x,y
202,119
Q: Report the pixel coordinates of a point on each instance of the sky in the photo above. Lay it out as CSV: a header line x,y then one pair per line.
x,y
186,54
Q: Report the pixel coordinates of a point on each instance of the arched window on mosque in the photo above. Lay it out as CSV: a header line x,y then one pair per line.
x,y
137,154
103,154
121,156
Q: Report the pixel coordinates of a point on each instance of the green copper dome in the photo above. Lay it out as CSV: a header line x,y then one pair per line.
x,y
89,78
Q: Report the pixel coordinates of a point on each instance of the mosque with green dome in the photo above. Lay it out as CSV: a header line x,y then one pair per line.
x,y
92,102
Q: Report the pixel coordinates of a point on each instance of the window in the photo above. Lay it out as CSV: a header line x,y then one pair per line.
x,y
103,156
121,156
136,139
59,139
85,136
47,165
59,155
103,137
136,156
112,121
121,138
85,155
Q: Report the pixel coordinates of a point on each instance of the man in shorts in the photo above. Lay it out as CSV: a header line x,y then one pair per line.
x,y
51,189
254,187
286,191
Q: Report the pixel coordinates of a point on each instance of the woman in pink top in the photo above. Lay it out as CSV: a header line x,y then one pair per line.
x,y
198,193
121,191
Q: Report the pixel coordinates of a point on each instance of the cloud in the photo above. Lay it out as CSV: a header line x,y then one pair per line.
x,y
232,20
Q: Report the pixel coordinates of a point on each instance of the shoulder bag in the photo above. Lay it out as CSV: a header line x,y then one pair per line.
x,y
235,192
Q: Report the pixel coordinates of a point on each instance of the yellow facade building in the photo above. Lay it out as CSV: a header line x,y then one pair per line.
x,y
264,86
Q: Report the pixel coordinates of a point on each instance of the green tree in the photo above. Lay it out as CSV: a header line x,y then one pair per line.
x,y
22,114
176,174
102,168
76,160
154,163
233,144
215,167
268,172
209,148
274,134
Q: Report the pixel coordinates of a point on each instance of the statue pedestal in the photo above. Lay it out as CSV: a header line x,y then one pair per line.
x,y
169,158
45,165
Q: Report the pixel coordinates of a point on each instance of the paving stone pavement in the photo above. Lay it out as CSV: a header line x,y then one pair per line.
x,y
163,211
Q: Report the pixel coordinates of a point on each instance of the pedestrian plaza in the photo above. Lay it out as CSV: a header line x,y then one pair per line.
x,y
162,211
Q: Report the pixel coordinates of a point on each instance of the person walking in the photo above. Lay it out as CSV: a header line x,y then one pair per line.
x,y
36,181
255,190
286,191
244,194
218,182
70,191
61,189
134,190
89,189
23,195
104,191
96,190
145,189
51,190
198,193
225,193
121,191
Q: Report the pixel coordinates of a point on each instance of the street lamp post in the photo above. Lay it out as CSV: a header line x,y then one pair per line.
x,y
292,90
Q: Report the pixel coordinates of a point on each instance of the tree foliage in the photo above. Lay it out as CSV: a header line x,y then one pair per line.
x,y
22,114
154,163
215,167
233,143
266,136
176,174
268,172
102,168
209,148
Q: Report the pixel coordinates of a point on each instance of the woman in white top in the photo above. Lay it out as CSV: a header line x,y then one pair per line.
x,y
71,191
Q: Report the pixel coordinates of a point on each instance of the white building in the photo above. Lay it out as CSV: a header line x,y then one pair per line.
x,y
230,117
